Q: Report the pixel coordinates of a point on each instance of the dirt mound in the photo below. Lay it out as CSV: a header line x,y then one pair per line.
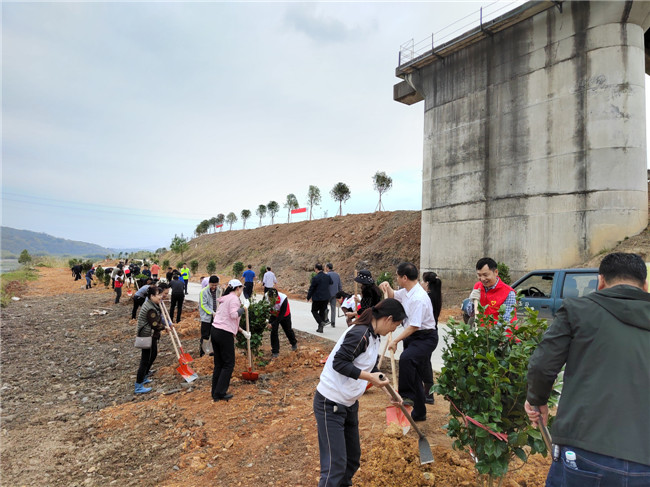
x,y
375,241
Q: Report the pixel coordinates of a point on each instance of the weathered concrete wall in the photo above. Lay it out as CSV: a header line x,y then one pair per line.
x,y
534,142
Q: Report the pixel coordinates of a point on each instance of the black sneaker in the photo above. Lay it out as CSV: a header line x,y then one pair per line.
x,y
333,325
319,329
294,347
429,400
275,355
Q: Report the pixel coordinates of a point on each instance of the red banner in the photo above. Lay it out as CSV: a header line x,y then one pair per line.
x,y
218,226
298,210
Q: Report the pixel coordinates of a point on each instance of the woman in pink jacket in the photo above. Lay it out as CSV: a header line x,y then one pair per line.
x,y
224,328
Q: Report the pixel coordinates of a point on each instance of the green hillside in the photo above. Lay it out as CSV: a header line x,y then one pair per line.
x,y
14,241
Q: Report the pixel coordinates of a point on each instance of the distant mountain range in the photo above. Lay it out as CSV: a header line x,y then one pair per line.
x,y
14,241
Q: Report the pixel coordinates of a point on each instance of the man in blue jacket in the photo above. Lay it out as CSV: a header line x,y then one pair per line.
x,y
319,294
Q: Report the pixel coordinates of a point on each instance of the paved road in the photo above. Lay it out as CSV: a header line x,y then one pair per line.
x,y
302,320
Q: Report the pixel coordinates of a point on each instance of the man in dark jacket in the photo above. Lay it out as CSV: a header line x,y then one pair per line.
x,y
335,288
178,296
319,293
604,411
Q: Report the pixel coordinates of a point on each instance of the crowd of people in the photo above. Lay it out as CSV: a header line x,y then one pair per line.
x,y
603,339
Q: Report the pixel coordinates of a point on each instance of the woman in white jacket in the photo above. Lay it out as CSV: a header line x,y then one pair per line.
x,y
349,368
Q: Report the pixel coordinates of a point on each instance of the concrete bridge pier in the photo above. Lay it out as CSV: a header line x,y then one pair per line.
x,y
534,137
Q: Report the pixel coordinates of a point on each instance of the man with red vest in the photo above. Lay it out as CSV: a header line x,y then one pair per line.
x,y
280,316
492,292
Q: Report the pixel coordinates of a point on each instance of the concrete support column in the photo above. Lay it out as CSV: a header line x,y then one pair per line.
x,y
534,141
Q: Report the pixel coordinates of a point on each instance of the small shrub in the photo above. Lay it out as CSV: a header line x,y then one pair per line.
x,y
107,279
87,265
165,264
258,315
99,273
194,266
385,276
504,272
211,267
237,269
179,266
25,258
484,375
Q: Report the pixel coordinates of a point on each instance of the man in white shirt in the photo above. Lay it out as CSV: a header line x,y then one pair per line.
x,y
269,281
420,337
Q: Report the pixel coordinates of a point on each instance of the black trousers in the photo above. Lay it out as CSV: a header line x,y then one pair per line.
x,y
248,290
223,344
338,441
319,311
185,283
146,360
206,326
288,331
118,294
414,360
137,302
177,300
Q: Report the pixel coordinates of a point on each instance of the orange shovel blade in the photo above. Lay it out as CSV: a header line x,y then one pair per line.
x,y
186,371
185,358
253,376
396,416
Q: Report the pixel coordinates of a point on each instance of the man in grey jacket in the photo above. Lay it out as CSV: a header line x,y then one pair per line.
x,y
207,308
604,411
335,287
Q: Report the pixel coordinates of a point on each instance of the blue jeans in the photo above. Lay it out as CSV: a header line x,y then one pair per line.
x,y
597,470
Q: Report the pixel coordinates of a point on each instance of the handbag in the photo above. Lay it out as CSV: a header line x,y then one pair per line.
x,y
142,342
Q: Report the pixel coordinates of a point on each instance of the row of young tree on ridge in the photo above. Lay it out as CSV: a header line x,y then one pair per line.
x,y
340,193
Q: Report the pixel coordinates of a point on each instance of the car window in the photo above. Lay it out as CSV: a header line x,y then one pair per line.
x,y
536,286
578,285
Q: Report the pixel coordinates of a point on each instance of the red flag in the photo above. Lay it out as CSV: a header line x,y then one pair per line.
x,y
298,210
218,226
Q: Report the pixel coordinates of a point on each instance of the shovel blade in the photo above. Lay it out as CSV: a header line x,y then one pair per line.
x,y
252,376
394,415
185,358
426,455
187,373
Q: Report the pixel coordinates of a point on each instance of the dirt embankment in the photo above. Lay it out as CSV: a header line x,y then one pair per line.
x,y
375,241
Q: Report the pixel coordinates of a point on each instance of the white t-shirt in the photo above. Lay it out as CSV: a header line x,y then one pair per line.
x,y
269,279
349,303
418,307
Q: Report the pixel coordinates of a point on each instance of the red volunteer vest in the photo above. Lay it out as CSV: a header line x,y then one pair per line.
x,y
494,298
275,311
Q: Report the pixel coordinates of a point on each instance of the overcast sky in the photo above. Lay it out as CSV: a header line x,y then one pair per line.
x,y
126,123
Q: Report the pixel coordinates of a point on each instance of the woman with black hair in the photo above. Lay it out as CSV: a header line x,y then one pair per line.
x,y
150,324
348,369
225,326
370,294
433,286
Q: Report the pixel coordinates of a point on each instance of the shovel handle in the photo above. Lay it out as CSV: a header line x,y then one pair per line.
x,y
169,332
396,397
544,429
392,362
248,341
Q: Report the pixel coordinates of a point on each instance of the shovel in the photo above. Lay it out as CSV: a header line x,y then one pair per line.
x,y
185,358
426,455
393,413
545,433
252,376
185,370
